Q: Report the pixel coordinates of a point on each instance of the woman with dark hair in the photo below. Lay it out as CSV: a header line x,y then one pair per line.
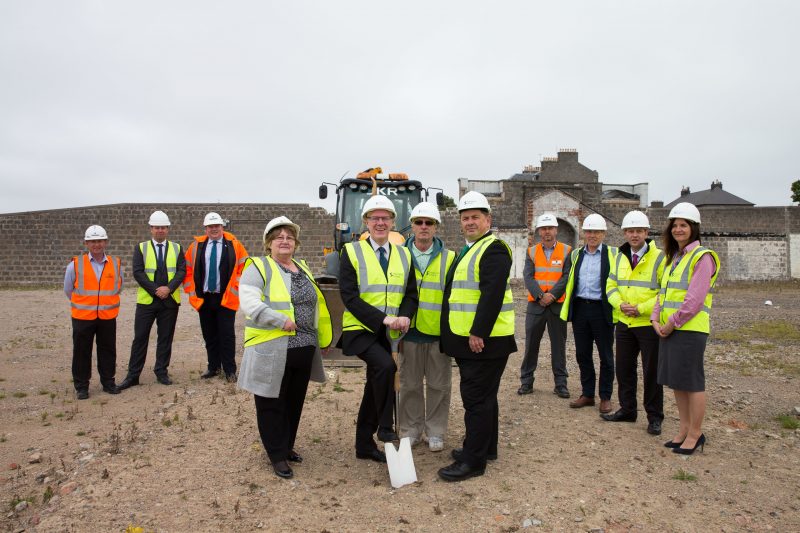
x,y
287,325
681,318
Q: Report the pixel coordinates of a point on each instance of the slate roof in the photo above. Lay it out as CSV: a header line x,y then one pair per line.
x,y
715,196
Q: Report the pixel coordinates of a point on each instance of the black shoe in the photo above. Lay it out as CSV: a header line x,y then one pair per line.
x,y
208,374
701,442
111,389
164,380
459,471
671,444
387,435
524,389
127,383
374,455
561,391
619,416
230,377
457,453
82,394
654,427
282,469
295,457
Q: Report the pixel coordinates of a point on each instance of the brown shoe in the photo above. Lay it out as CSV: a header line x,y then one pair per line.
x,y
605,406
582,401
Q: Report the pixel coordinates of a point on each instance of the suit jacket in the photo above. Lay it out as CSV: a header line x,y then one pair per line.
x,y
356,342
494,269
227,265
533,286
160,277
605,268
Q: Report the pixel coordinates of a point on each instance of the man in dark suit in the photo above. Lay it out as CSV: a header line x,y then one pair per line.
x,y
379,291
214,264
477,329
586,306
159,268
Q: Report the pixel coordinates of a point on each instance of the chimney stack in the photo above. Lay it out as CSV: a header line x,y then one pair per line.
x,y
685,191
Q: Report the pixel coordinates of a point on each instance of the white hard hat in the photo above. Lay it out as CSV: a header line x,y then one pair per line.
x,y
280,221
378,202
212,219
426,210
95,233
473,200
595,222
546,220
159,218
635,219
686,211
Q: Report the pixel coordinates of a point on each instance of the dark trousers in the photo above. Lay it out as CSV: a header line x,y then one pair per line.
x,y
631,341
377,404
589,327
534,331
165,318
278,418
480,381
104,334
217,324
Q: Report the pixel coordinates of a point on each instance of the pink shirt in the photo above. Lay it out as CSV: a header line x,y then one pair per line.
x,y
699,285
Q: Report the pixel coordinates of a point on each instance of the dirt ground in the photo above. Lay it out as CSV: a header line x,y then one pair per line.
x,y
187,457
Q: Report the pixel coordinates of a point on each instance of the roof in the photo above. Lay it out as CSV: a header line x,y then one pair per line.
x,y
715,196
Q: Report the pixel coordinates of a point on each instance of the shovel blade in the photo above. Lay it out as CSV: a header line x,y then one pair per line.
x,y
401,463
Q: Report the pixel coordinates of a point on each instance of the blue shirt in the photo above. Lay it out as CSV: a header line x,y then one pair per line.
x,y
589,276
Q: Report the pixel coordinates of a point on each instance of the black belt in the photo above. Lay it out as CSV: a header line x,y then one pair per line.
x,y
587,301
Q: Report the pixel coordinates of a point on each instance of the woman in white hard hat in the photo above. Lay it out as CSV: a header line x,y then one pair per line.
x,y
681,318
287,324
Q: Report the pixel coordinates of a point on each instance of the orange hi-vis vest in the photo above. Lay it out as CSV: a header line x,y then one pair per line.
x,y
547,273
230,295
92,299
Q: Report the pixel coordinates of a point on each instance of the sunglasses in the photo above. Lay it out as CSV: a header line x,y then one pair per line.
x,y
419,222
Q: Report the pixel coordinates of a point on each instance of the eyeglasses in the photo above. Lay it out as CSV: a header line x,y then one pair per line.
x,y
379,219
287,238
419,222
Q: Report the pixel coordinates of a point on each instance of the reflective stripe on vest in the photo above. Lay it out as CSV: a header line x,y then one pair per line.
x,y
276,295
636,291
92,299
674,285
612,257
150,261
465,294
545,272
431,292
384,292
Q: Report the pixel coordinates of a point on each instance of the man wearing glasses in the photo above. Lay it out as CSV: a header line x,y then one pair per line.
x,y
422,411
379,291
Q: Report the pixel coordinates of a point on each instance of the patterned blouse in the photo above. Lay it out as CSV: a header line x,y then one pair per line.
x,y
304,300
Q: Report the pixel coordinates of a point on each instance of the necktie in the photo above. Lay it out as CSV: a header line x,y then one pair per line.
x,y
635,260
383,260
212,268
160,253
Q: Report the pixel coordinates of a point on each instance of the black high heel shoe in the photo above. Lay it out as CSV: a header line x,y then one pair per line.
x,y
670,444
701,442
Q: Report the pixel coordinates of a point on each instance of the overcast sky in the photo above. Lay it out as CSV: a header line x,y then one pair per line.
x,y
198,101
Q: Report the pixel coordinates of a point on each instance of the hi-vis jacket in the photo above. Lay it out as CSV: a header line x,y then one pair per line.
x,y
92,299
276,295
195,271
430,287
465,293
674,285
577,258
150,260
547,273
636,286
384,292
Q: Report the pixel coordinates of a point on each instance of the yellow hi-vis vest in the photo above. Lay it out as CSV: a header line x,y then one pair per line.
x,y
276,295
465,293
430,287
674,285
150,258
612,253
383,292
637,286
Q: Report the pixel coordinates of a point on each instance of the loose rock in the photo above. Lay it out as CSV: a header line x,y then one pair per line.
x,y
35,458
66,488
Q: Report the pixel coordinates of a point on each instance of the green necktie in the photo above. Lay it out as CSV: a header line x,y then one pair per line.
x,y
212,268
